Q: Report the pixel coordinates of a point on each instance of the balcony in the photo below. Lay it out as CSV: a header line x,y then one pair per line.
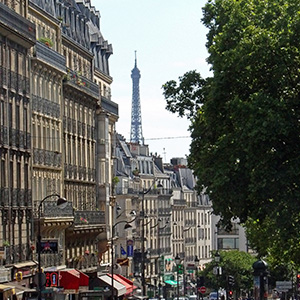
x,y
3,135
20,198
166,191
4,199
81,83
85,217
46,107
47,158
51,259
19,29
179,202
109,106
83,262
17,253
164,212
50,56
51,210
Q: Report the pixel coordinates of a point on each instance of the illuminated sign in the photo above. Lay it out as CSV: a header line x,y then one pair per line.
x,y
51,279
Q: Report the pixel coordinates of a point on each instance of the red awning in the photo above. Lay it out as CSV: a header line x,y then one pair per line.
x,y
123,280
127,280
69,279
84,279
72,279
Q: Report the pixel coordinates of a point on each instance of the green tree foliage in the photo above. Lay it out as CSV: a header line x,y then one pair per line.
x,y
235,263
245,120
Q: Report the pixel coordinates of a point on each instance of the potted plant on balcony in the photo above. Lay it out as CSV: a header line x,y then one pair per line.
x,y
83,220
6,243
136,172
46,41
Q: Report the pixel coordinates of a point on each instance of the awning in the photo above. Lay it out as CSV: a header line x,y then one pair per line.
x,y
171,282
128,281
7,291
25,264
106,281
83,280
72,279
129,287
69,279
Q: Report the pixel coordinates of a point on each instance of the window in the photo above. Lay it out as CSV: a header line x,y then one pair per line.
x,y
228,243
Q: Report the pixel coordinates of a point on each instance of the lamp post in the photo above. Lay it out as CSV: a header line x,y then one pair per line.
x,y
159,256
142,214
177,261
218,271
126,227
61,203
197,260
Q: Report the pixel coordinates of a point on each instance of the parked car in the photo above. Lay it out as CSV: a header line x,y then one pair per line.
x,y
213,296
181,298
193,297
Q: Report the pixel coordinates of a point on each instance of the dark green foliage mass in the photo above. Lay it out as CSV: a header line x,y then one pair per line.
x,y
234,263
245,119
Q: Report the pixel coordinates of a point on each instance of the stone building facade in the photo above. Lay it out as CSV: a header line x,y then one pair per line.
x,y
17,37
57,134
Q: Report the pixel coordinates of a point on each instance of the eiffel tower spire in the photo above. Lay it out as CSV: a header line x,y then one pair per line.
x,y
136,133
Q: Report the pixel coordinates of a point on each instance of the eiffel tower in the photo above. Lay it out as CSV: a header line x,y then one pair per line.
x,y
136,133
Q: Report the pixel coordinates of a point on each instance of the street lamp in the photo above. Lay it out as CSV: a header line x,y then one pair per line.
x,y
197,260
61,203
159,261
177,261
127,226
142,214
218,270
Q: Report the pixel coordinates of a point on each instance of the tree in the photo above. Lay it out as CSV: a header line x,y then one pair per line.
x,y
233,263
245,119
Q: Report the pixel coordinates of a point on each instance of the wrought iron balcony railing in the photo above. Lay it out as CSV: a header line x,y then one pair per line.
x,y
80,82
50,56
17,253
84,217
18,25
179,202
109,106
45,106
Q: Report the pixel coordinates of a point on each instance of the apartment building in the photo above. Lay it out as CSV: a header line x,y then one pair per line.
x,y
17,37
54,75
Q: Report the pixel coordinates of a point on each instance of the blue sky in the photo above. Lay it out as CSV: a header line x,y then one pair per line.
x,y
170,40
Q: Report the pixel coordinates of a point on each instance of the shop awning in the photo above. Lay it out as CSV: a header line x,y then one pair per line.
x,y
25,264
171,282
106,281
69,279
72,279
128,281
129,287
83,280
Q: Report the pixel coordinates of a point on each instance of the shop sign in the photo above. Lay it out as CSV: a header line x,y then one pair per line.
x,y
52,279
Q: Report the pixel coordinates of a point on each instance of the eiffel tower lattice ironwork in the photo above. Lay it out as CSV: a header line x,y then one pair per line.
x,y
136,133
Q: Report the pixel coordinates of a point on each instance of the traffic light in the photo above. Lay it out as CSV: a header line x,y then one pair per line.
x,y
180,268
231,280
298,282
200,281
230,294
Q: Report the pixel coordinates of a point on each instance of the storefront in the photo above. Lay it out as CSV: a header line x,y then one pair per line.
x,y
72,280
